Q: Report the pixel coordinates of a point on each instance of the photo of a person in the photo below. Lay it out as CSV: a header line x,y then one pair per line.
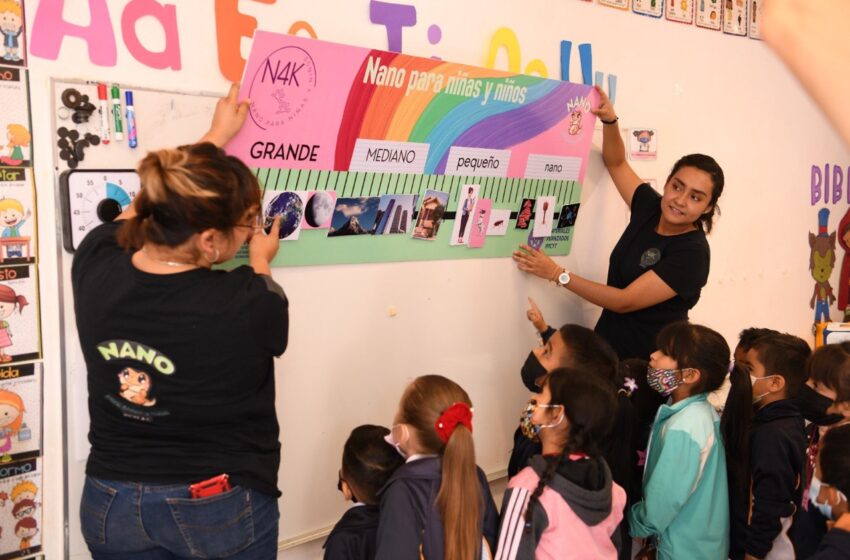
x,y
464,215
465,210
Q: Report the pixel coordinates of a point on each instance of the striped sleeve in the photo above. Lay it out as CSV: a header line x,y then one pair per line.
x,y
512,525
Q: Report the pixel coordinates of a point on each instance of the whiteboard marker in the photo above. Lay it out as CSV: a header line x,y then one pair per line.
x,y
104,113
132,137
116,112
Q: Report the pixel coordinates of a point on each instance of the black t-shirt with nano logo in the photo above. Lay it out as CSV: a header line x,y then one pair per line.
x,y
180,368
681,261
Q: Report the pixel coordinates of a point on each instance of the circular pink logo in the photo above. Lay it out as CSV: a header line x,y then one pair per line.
x,y
281,87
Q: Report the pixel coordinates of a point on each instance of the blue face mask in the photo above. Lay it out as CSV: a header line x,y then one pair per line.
x,y
814,491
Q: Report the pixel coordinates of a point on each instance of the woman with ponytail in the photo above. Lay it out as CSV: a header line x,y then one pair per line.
x,y
565,505
180,361
438,505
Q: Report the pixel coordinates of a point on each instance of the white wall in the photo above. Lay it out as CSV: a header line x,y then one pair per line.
x,y
703,91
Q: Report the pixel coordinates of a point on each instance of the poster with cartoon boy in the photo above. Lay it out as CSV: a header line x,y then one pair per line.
x,y
20,412
19,328
20,512
16,217
12,31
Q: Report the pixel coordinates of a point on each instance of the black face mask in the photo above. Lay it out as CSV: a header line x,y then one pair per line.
x,y
813,407
531,372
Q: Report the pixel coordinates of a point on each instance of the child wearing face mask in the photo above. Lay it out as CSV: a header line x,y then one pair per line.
x,y
767,508
684,512
833,469
438,504
368,461
564,505
824,402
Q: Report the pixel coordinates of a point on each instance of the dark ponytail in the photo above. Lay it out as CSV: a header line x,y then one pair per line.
x,y
735,428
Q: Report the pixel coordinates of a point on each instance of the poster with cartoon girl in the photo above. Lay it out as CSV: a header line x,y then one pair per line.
x,y
20,412
15,137
13,32
17,222
20,508
643,145
709,14
19,326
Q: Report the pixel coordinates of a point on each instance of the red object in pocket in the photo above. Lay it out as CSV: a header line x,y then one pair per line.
x,y
210,487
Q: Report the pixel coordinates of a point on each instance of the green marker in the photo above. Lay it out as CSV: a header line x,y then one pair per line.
x,y
115,94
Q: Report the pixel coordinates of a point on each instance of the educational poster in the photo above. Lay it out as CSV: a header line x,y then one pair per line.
x,y
709,14
681,11
319,210
434,204
652,8
20,508
13,31
735,17
365,124
354,216
290,207
755,17
619,4
544,216
395,214
15,137
643,144
17,216
464,214
20,411
499,220
20,337
479,227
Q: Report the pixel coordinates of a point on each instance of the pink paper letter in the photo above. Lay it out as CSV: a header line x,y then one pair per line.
x,y
167,17
49,29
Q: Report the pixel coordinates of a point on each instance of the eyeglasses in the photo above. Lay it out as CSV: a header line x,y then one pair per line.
x,y
258,223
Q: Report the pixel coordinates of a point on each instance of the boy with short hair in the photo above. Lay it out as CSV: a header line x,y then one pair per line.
x,y
833,467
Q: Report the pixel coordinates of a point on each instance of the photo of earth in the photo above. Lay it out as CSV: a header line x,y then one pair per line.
x,y
289,207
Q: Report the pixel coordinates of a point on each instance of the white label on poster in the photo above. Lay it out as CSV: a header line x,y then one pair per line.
x,y
478,162
541,166
383,156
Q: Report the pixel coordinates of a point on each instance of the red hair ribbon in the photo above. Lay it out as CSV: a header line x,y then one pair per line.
x,y
458,413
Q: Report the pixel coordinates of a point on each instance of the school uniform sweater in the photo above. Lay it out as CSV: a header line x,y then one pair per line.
x,y
575,517
685,504
777,466
354,537
410,522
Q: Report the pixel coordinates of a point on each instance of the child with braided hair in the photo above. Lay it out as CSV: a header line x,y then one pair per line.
x,y
438,504
565,505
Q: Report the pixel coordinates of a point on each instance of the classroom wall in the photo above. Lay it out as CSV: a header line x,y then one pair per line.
x,y
349,360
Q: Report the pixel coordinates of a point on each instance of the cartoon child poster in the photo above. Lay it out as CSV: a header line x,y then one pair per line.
x,y
17,222
643,144
15,137
20,412
20,508
12,30
20,338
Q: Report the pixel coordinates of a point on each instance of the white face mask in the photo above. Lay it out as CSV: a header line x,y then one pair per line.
x,y
814,492
391,440
753,380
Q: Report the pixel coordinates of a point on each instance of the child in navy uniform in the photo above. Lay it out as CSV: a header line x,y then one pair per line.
x,y
438,504
368,461
833,468
776,367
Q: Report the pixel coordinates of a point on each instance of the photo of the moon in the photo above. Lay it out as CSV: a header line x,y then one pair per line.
x,y
319,209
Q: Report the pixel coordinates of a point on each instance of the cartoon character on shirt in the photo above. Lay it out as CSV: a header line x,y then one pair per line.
x,y
821,263
135,386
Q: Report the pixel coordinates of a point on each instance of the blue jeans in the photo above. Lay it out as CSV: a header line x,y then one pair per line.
x,y
139,521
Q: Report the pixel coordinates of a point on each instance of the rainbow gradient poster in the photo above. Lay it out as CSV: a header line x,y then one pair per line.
x,y
367,124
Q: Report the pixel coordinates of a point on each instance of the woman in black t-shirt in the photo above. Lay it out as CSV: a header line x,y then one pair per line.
x,y
179,361
661,262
